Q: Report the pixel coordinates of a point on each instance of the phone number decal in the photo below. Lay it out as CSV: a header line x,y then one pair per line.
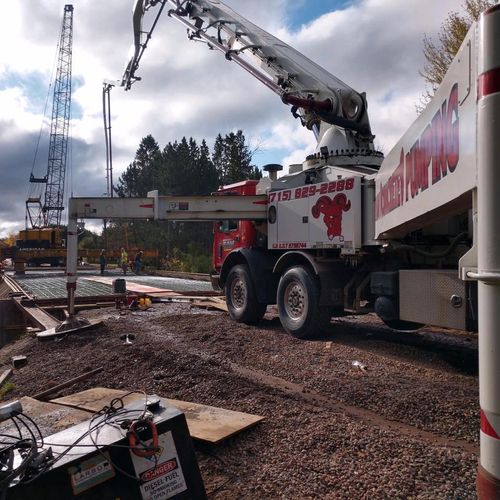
x,y
314,189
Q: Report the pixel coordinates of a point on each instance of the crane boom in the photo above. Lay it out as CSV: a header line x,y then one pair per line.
x,y
58,145
49,214
316,96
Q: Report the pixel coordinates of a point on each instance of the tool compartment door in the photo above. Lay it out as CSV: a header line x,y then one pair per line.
x,y
323,215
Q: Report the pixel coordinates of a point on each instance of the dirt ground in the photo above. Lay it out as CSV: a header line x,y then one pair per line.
x,y
405,426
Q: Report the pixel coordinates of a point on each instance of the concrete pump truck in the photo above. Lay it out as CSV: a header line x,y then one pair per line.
x,y
414,237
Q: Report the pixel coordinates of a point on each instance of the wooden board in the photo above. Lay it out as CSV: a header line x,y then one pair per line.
x,y
131,287
50,417
205,423
36,314
210,304
52,333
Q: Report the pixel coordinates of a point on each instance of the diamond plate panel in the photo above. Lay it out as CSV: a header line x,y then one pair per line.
x,y
425,297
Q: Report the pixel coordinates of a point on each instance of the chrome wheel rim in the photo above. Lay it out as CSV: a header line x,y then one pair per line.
x,y
238,293
295,302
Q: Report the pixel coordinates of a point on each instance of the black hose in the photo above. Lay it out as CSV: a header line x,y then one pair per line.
x,y
437,255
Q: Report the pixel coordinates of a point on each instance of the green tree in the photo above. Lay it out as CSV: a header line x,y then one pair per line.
x,y
89,239
140,174
232,158
181,168
439,54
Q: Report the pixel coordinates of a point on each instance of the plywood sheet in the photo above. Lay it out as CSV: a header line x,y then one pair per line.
x,y
205,423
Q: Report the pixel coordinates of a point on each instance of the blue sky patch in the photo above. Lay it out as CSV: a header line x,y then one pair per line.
x,y
304,11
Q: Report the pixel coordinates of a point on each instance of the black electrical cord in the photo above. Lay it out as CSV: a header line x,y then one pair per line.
x,y
115,415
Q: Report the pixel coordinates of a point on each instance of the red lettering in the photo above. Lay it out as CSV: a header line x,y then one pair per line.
x,y
452,146
426,155
407,174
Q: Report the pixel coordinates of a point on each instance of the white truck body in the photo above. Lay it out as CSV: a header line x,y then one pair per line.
x,y
430,173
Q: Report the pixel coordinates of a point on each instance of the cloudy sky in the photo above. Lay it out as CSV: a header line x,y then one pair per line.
x,y
186,90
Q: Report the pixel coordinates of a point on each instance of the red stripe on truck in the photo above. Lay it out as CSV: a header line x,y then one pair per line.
x,y
489,83
491,10
486,427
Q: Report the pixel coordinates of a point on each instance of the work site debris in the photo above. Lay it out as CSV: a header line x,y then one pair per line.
x,y
5,376
360,366
42,395
127,338
19,361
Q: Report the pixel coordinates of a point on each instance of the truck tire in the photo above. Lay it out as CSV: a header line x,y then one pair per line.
x,y
241,298
298,304
401,325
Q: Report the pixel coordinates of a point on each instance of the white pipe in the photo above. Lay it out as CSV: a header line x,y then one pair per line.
x,y
488,153
71,256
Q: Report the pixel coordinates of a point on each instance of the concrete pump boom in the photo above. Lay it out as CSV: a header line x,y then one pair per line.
x,y
318,98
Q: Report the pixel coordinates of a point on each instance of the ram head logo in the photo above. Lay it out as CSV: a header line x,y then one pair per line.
x,y
332,209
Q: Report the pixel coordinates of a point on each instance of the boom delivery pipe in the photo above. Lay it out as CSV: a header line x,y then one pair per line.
x,y
315,95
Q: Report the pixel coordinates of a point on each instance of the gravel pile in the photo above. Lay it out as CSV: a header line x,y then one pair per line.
x,y
305,448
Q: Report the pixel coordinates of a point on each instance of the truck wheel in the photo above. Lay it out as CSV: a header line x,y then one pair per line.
x,y
241,298
298,304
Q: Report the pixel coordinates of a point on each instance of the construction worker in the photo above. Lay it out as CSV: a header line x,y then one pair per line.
x,y
124,260
138,262
102,260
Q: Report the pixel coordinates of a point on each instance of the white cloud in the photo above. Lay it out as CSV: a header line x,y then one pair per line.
x,y
373,45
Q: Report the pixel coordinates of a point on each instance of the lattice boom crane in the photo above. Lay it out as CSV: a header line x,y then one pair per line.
x,y
49,213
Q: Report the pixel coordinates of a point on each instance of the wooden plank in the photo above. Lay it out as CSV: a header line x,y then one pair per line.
x,y
36,314
206,423
53,333
209,305
50,417
67,383
5,376
131,287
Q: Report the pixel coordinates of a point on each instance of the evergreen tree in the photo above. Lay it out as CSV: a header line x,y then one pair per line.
x,y
182,168
233,159
136,180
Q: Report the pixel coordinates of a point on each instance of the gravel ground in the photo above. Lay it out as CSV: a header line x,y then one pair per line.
x,y
406,427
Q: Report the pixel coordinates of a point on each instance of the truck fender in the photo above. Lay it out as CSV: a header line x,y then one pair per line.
x,y
260,264
332,275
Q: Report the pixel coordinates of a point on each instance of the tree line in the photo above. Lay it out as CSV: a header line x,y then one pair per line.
x,y
183,167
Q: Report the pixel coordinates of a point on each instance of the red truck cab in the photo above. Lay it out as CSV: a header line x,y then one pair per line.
x,y
231,234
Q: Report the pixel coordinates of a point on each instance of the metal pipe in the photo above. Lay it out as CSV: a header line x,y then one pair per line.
x,y
488,152
71,257
231,55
